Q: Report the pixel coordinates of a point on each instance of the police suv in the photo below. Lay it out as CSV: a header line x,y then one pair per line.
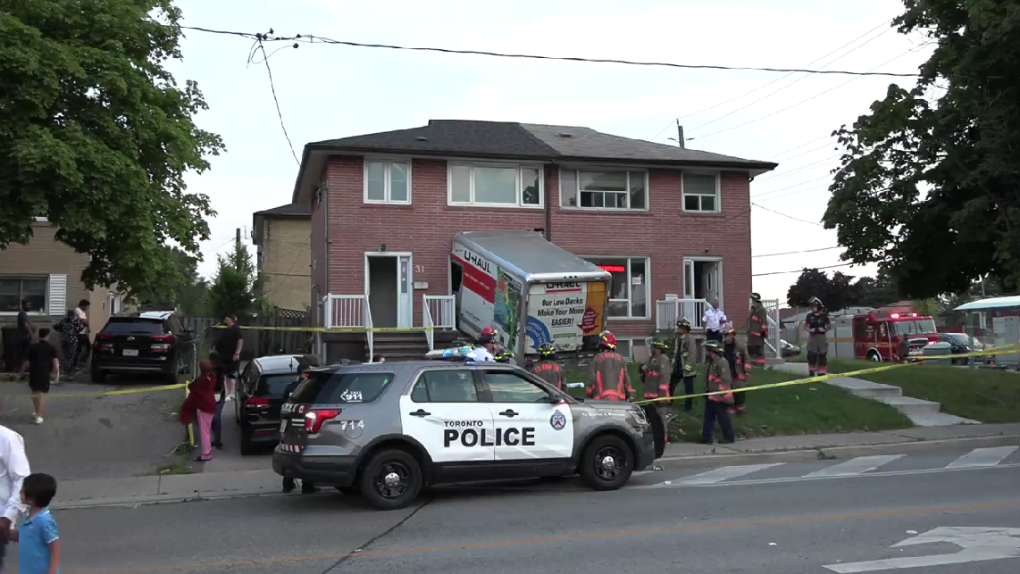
x,y
386,430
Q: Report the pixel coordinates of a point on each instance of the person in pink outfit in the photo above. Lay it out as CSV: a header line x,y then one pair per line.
x,y
201,401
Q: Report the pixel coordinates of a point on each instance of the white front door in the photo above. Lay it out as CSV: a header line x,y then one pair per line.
x,y
443,412
405,292
688,279
528,425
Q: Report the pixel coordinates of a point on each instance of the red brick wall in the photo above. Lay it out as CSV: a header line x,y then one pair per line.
x,y
318,255
426,228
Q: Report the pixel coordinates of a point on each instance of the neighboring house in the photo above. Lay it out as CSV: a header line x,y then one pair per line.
x,y
47,273
282,236
664,220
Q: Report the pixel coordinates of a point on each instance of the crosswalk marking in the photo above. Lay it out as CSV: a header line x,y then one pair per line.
x,y
721,474
983,457
856,466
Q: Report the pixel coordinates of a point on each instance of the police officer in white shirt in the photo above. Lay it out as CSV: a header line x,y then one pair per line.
x,y
13,470
715,320
486,348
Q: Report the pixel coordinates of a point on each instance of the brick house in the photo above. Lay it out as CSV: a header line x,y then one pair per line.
x,y
671,224
281,236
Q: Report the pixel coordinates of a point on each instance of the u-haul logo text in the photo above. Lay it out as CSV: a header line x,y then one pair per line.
x,y
477,261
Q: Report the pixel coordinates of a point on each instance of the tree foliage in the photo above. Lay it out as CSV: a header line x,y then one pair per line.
x,y
877,291
189,290
236,289
841,291
96,135
929,179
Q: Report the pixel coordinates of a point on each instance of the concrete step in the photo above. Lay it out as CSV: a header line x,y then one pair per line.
x,y
866,389
911,406
939,420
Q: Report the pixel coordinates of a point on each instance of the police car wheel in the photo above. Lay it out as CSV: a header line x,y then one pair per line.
x,y
392,479
607,463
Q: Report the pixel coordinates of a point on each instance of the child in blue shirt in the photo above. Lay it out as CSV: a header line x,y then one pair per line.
x,y
38,542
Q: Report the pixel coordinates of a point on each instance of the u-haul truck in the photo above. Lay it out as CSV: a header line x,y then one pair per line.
x,y
529,290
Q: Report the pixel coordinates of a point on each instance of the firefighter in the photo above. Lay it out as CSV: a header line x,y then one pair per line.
x,y
684,355
757,330
485,350
607,372
717,378
740,368
817,324
548,369
655,374
503,356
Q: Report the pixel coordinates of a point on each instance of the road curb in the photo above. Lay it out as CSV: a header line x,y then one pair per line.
x,y
133,501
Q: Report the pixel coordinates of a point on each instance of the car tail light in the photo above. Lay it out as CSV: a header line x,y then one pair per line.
x,y
315,417
164,338
257,402
104,336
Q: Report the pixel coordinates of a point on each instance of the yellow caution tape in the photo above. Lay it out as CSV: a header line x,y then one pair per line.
x,y
332,329
121,391
820,378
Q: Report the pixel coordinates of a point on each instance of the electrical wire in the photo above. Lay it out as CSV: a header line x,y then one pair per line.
x,y
787,216
803,145
312,39
785,174
799,252
770,194
801,270
272,90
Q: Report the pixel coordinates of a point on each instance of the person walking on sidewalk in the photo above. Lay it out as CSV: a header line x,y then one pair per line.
x,y
817,324
14,469
684,355
740,367
38,540
717,378
43,365
200,405
757,330
715,321
229,349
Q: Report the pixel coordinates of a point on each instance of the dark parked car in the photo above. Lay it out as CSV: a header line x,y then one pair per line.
x,y
264,385
959,344
153,342
788,349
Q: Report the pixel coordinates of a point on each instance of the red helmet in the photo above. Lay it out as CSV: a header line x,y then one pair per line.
x,y
488,336
488,331
608,340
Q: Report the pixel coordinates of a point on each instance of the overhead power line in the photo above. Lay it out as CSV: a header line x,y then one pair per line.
x,y
771,193
801,146
801,270
787,216
799,252
312,39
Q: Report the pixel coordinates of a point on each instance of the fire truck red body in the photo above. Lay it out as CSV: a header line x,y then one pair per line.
x,y
879,337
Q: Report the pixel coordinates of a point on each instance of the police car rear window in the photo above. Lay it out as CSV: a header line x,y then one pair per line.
x,y
332,388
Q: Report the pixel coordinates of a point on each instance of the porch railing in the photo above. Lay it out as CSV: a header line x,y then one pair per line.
x,y
775,327
426,321
667,312
440,310
350,312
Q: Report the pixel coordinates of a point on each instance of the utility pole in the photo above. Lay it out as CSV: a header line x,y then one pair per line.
x,y
237,241
680,134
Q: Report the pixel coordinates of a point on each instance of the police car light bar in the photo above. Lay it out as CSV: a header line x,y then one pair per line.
x,y
454,354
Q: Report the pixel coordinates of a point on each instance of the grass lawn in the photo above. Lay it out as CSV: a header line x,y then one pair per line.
x,y
986,395
801,409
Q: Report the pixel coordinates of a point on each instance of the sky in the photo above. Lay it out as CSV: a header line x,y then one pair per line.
x,y
329,91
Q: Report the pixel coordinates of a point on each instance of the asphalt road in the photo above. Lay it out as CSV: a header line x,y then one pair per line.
x,y
784,519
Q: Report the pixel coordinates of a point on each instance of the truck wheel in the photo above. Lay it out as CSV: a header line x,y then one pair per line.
x,y
874,356
607,463
391,480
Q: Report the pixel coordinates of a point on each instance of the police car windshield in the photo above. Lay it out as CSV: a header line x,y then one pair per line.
x,y
332,388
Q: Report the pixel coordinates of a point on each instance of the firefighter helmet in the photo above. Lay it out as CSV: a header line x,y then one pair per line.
x,y
607,340
815,302
683,322
731,331
503,356
488,336
547,350
713,347
659,343
756,297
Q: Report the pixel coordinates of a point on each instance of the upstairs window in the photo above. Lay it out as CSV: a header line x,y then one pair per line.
x,y
604,189
495,185
701,192
387,182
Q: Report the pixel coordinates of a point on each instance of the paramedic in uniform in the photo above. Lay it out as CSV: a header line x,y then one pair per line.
x,y
740,367
607,372
817,324
656,375
684,354
715,320
717,378
486,348
757,330
548,369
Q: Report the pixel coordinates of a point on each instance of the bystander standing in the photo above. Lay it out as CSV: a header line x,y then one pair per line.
x,y
13,470
24,339
43,365
84,348
229,349
38,540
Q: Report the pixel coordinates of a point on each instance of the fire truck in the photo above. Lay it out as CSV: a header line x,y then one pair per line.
x,y
879,337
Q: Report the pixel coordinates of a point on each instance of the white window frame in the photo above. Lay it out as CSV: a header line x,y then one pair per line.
x,y
29,276
718,192
630,285
387,180
519,204
577,179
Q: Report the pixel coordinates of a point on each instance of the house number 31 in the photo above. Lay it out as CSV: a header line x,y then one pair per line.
x,y
419,268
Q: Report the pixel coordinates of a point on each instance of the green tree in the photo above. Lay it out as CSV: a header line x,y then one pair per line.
x,y
877,291
928,182
96,135
188,290
236,287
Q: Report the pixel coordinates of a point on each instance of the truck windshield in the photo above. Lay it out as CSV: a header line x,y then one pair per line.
x,y
917,326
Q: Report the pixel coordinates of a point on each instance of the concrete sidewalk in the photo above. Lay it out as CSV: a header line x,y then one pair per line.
x,y
239,483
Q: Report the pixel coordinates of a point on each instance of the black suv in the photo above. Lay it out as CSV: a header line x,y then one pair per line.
x,y
153,342
264,385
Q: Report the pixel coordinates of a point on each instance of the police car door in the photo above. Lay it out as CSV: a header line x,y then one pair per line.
x,y
444,413
528,424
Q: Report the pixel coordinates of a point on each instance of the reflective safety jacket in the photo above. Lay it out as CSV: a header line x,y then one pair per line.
x,y
684,354
740,363
657,373
551,372
608,377
717,378
757,326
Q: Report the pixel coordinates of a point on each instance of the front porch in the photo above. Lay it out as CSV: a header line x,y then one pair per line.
x,y
356,334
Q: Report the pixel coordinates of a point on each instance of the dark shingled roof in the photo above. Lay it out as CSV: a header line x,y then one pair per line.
x,y
529,141
289,210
